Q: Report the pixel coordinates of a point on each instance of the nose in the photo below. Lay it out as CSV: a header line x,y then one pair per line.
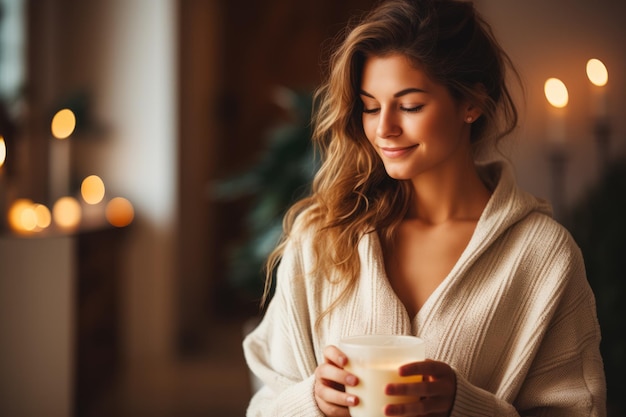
x,y
388,125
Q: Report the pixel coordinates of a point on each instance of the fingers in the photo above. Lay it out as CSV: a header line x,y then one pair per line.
x,y
434,388
331,376
421,406
328,397
331,372
431,368
414,409
333,355
431,407
438,379
434,395
330,382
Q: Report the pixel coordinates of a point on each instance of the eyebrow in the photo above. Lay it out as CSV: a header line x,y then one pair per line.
x,y
398,94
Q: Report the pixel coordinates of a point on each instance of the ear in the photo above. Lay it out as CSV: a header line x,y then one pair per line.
x,y
472,113
475,103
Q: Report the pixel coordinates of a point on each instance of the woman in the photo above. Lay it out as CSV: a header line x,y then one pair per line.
x,y
408,230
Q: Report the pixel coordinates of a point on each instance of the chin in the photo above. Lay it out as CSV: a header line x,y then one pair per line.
x,y
398,175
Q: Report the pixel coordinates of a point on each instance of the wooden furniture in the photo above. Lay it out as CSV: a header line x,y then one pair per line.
x,y
97,334
59,320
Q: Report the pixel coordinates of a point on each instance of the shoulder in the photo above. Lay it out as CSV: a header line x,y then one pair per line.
x,y
545,260
300,237
546,235
298,257
523,221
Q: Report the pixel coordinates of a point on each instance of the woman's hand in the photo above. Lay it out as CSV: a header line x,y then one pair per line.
x,y
330,382
434,396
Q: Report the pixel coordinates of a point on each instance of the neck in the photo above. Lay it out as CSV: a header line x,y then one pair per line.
x,y
456,194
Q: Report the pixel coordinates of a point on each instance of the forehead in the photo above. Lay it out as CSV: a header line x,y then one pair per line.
x,y
393,71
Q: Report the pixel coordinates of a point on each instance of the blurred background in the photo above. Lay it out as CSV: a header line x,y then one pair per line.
x,y
178,129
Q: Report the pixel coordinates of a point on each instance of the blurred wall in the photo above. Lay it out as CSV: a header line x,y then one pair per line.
x,y
119,57
270,43
137,90
263,46
181,94
555,38
199,137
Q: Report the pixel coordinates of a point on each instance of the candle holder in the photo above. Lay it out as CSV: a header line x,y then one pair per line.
x,y
558,161
599,77
602,134
557,96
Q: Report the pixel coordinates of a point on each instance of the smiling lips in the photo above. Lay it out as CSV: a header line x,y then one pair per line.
x,y
396,152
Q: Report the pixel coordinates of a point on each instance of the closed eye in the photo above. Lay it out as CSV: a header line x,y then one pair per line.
x,y
371,111
413,109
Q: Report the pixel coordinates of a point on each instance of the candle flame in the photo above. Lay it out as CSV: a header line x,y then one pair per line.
x,y
63,124
597,72
3,151
92,189
43,215
66,212
18,212
120,212
556,92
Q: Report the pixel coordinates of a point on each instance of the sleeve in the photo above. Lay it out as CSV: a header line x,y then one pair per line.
x,y
476,402
566,377
280,351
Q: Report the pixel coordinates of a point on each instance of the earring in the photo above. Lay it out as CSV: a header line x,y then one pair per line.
x,y
469,119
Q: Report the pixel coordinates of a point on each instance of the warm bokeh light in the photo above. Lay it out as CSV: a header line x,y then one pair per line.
x,y
3,151
120,212
556,92
66,212
63,124
44,218
28,218
92,189
19,215
597,72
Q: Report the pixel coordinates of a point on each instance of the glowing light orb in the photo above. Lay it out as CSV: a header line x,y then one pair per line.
x,y
18,213
597,72
63,124
3,151
28,219
66,212
119,212
92,189
44,217
556,92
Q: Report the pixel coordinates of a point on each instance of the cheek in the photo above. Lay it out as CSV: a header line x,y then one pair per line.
x,y
444,126
369,128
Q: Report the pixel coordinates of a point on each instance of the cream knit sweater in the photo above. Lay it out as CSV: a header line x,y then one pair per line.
x,y
515,318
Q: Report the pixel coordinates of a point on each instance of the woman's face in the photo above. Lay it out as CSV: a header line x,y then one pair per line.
x,y
413,123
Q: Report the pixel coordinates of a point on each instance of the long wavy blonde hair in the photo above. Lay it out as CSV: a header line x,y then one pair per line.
x,y
351,193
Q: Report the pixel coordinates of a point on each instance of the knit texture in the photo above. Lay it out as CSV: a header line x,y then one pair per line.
x,y
515,318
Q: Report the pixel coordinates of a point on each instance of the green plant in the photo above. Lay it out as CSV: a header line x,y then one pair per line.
x,y
282,174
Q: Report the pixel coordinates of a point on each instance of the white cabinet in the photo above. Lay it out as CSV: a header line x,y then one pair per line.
x,y
36,326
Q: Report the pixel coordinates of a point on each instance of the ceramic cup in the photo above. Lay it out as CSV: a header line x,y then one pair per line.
x,y
375,360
